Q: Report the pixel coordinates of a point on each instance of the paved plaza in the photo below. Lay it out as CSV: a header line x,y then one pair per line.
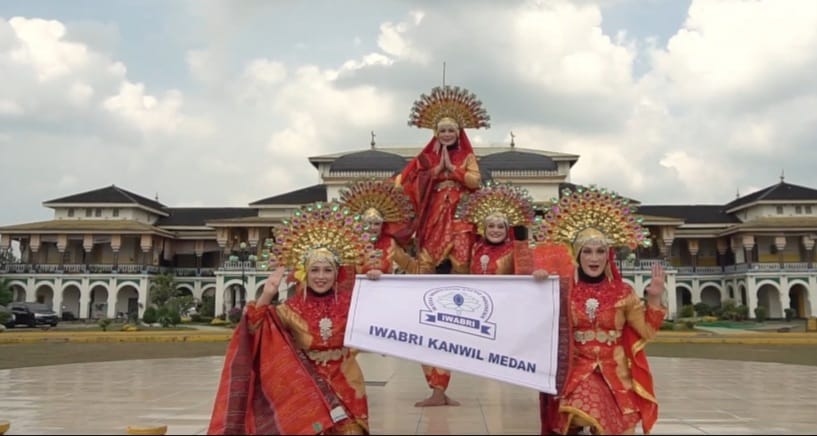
x,y
696,397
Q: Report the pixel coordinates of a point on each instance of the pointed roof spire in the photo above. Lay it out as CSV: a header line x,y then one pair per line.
x,y
372,143
782,175
513,143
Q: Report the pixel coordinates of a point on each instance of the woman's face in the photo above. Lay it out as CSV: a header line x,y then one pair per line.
x,y
447,134
496,231
375,227
320,276
593,258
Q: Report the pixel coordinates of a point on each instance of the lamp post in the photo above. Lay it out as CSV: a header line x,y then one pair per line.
x,y
242,256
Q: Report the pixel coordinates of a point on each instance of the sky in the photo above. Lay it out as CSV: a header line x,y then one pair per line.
x,y
220,103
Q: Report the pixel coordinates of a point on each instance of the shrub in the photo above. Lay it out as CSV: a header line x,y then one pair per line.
x,y
5,317
760,313
742,312
168,315
702,309
235,315
104,323
218,321
690,325
195,317
150,316
789,314
687,311
208,305
667,325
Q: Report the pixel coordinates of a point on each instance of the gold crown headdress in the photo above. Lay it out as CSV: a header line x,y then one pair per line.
x,y
318,231
512,202
454,102
377,197
591,213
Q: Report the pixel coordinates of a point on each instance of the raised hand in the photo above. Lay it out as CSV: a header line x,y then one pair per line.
x,y
273,281
656,287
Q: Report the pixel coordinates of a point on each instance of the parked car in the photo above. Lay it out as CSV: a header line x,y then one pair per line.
x,y
32,315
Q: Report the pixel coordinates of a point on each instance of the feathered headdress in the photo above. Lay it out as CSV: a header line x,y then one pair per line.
x,y
377,198
456,103
588,214
319,231
513,203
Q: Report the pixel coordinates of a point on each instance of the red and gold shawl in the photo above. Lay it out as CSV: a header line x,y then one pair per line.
x,y
251,397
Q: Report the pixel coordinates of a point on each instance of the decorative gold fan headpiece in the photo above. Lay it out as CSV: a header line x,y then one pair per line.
x,y
511,203
319,232
591,214
378,200
454,102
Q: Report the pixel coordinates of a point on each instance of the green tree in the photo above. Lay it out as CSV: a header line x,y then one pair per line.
x,y
6,295
163,289
168,299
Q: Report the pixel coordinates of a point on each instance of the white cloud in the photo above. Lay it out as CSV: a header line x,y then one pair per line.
x,y
725,104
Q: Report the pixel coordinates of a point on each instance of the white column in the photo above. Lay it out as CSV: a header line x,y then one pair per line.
x,y
31,289
696,291
58,296
812,295
219,309
672,300
111,312
144,288
84,298
785,300
751,295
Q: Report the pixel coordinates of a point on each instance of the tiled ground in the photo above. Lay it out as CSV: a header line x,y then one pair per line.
x,y
696,397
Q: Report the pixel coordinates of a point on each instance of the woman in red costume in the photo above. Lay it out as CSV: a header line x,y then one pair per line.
x,y
609,384
501,213
435,180
383,207
287,370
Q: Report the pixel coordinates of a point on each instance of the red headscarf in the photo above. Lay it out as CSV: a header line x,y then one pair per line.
x,y
416,177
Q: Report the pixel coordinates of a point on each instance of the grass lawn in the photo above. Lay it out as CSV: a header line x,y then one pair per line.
x,y
41,354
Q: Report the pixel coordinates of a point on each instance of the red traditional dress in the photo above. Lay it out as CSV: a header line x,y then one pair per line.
x,y
324,392
488,258
602,390
439,235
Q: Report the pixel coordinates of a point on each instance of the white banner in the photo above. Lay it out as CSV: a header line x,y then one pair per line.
x,y
500,327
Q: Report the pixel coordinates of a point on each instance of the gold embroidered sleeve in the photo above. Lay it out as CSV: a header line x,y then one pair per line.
x,y
504,265
403,259
472,177
645,321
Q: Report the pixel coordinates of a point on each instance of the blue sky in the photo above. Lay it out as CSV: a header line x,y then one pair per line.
x,y
219,103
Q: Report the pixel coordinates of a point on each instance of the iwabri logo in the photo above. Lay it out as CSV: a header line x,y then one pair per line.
x,y
459,308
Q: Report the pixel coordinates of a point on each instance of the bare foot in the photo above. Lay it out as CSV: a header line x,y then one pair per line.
x,y
451,402
437,398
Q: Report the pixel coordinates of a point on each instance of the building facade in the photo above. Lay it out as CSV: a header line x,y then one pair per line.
x,y
97,255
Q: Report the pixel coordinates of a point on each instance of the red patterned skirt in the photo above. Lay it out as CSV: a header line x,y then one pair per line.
x,y
592,404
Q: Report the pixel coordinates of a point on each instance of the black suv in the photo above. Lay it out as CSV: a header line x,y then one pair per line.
x,y
32,315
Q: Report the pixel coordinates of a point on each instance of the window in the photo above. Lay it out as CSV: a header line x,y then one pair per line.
x,y
780,210
808,209
116,212
97,212
87,212
70,211
798,209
